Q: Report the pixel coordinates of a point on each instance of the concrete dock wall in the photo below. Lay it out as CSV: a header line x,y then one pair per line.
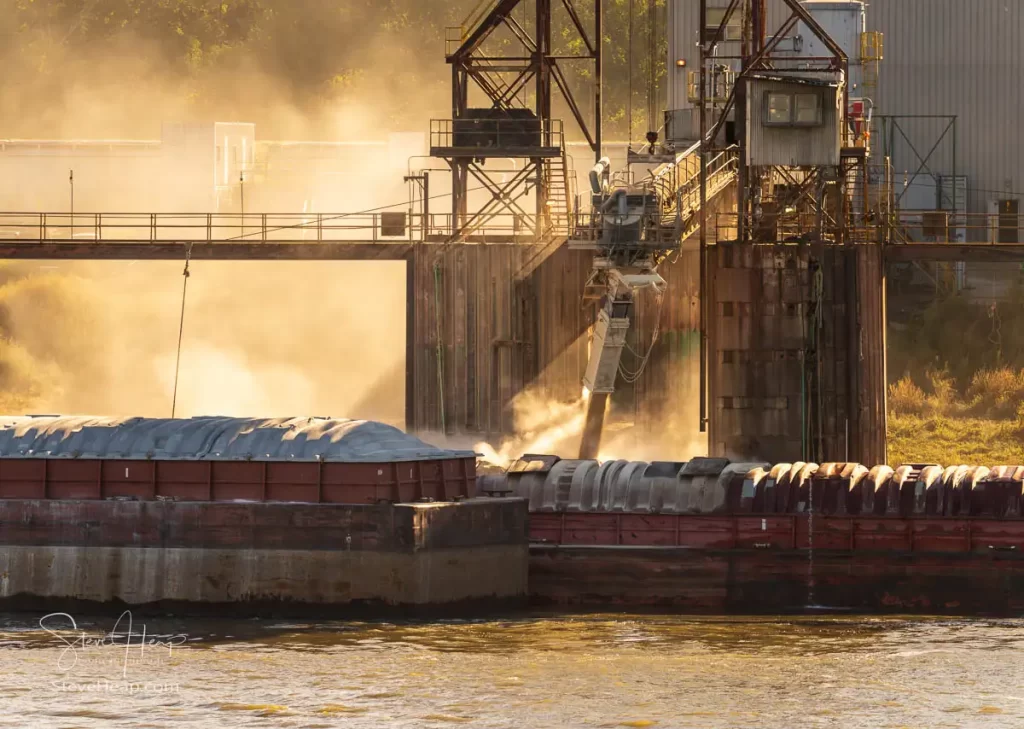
x,y
260,557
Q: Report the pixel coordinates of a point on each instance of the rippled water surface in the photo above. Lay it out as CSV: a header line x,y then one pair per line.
x,y
535,671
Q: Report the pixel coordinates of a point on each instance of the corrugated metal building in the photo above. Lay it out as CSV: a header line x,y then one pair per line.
x,y
816,143
943,58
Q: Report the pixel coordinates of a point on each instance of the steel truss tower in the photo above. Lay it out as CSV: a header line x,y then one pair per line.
x,y
831,205
503,48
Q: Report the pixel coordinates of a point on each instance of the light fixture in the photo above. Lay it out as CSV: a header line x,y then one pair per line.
x,y
681,62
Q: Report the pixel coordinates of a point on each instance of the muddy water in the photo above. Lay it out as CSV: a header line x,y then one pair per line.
x,y
534,671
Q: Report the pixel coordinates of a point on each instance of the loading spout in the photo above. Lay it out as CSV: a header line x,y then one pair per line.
x,y
603,367
593,426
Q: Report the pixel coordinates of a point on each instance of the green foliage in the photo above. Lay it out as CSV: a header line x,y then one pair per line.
x,y
960,337
314,50
996,393
906,398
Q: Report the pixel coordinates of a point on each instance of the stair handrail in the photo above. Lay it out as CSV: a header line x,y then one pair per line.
x,y
479,11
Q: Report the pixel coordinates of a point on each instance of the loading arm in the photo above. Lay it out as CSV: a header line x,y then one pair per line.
x,y
610,332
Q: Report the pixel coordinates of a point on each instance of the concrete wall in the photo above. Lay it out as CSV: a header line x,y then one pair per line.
x,y
262,557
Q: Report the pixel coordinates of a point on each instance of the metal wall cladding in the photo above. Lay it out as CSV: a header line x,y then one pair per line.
x,y
868,436
497,335
500,338
760,298
668,391
713,486
683,40
949,57
792,146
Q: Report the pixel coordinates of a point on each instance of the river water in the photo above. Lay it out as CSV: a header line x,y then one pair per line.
x,y
524,672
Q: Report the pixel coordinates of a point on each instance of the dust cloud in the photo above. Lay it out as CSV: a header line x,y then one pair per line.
x,y
260,339
548,427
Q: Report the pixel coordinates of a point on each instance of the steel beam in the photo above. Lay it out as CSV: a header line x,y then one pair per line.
x,y
202,250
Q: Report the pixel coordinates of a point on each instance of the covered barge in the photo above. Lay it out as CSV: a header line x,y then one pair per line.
x,y
250,515
713,536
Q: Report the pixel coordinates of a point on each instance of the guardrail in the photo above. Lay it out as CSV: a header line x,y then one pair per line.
x,y
927,226
906,226
255,228
496,134
206,227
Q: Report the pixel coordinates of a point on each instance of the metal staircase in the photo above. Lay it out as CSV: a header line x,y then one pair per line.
x,y
463,40
685,205
677,185
560,180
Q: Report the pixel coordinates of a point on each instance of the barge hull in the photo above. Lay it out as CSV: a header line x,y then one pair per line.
x,y
263,558
752,581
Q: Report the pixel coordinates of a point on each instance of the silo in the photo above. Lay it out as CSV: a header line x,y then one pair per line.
x,y
845,21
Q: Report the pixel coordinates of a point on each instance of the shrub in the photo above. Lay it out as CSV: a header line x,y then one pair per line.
x,y
944,398
906,398
996,393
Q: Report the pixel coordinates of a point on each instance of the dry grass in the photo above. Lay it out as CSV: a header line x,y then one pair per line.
x,y
954,440
936,424
996,393
906,398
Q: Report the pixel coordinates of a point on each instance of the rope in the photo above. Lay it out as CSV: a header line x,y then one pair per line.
x,y
181,329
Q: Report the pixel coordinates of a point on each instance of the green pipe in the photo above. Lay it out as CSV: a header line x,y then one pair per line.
x,y
440,346
803,406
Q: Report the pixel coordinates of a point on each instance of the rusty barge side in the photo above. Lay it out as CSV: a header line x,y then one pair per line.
x,y
714,536
766,564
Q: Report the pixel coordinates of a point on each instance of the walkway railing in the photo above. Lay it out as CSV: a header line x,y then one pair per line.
x,y
269,228
927,226
907,227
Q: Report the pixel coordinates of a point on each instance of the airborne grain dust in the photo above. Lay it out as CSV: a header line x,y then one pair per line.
x,y
261,339
546,426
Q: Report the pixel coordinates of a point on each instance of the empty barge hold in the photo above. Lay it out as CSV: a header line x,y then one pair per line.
x,y
259,516
713,536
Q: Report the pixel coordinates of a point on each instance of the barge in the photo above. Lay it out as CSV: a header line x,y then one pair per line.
x,y
334,517
709,535
248,516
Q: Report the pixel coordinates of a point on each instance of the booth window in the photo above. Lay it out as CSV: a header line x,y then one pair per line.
x,y
779,108
803,109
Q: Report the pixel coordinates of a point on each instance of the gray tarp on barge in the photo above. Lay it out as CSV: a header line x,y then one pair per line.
x,y
213,438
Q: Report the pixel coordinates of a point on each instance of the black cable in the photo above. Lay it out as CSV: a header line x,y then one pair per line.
x,y
181,329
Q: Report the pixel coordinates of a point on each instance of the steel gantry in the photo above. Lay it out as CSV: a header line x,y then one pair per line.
x,y
502,49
